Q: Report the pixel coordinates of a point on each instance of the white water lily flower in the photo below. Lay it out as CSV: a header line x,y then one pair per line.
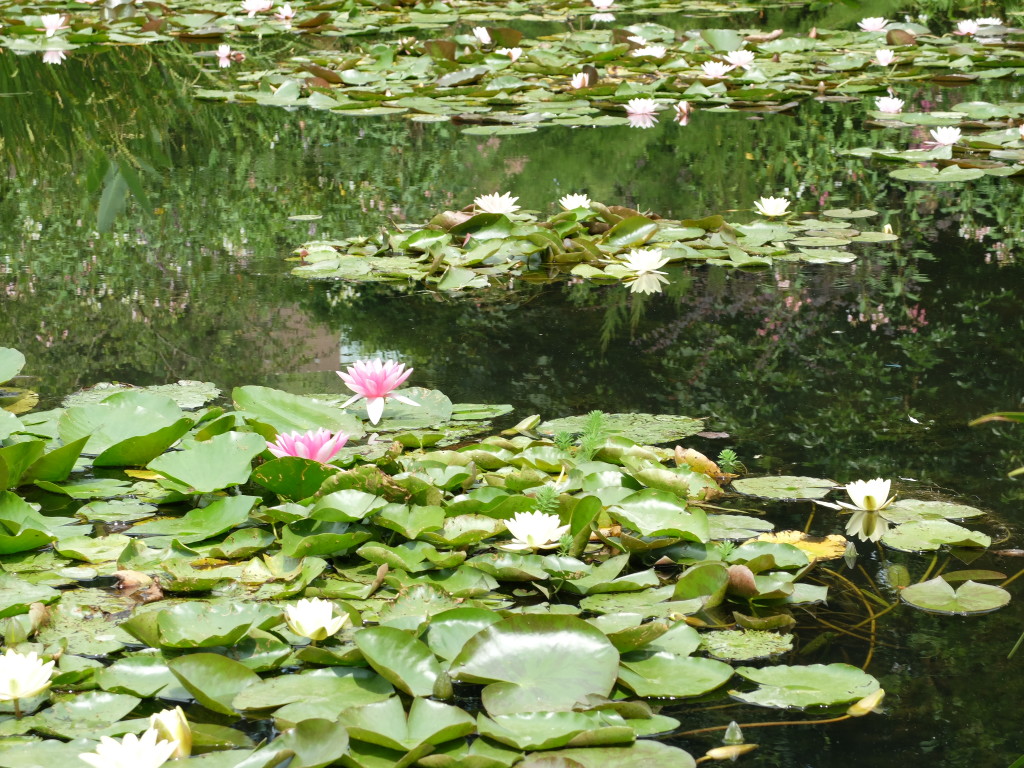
x,y
772,206
496,203
171,725
884,57
868,495
570,202
716,69
873,23
603,17
889,104
23,676
946,135
654,51
52,22
534,530
54,57
641,107
512,53
130,752
224,55
867,526
314,618
638,39
966,27
579,80
741,59
602,5
252,7
644,265
989,21
481,34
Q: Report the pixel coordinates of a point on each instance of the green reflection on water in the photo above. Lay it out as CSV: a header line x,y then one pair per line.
x,y
868,369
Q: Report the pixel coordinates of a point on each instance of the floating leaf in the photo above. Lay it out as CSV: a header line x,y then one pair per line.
x,y
784,487
937,596
816,685
537,663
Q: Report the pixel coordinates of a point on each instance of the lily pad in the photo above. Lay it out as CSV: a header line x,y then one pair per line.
x,y
537,663
929,535
745,644
643,428
800,687
784,487
938,596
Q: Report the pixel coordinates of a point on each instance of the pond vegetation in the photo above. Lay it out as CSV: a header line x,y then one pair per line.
x,y
336,570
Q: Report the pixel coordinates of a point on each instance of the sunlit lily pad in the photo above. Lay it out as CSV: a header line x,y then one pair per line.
x,y
938,596
800,687
907,510
642,754
643,428
784,487
537,663
745,645
928,535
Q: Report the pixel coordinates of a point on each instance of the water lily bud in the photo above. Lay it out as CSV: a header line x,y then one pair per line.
x,y
741,581
171,725
730,752
870,703
733,734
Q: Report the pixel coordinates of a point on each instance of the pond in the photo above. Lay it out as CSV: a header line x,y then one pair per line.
x,y
151,235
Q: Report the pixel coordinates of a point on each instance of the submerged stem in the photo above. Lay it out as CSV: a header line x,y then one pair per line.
x,y
714,728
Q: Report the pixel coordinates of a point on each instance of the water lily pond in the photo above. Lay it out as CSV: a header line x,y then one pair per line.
x,y
470,384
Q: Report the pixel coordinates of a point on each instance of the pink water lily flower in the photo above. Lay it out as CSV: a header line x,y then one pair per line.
x,y
54,57
375,380
224,55
320,445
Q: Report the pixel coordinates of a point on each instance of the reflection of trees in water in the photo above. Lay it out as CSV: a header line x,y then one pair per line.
x,y
194,284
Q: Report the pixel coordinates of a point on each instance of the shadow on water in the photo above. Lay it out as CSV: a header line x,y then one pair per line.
x,y
145,236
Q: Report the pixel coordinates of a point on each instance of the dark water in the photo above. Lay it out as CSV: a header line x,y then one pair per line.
x,y
851,371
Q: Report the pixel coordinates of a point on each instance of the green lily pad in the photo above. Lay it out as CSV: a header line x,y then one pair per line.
x,y
199,524
223,461
817,685
213,679
642,754
537,663
549,730
937,596
658,513
929,535
11,363
745,645
908,510
286,412
667,675
400,658
16,595
784,487
83,715
385,723
643,428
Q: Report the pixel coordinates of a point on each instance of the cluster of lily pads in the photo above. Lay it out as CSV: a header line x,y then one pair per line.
x,y
496,80
947,154
493,240
265,580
